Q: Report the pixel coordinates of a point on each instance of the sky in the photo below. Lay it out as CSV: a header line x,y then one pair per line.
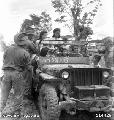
x,y
13,12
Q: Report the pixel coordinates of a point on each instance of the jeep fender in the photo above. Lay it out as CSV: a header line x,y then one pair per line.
x,y
47,77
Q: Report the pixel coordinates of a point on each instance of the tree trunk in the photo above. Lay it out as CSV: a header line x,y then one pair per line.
x,y
75,23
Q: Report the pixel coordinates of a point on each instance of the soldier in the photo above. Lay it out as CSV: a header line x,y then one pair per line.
x,y
27,43
18,75
44,51
65,40
42,36
32,48
31,35
96,60
107,51
56,34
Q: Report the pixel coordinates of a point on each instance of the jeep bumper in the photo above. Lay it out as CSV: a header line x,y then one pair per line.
x,y
91,106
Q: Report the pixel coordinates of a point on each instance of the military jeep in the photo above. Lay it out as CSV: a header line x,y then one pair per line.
x,y
68,83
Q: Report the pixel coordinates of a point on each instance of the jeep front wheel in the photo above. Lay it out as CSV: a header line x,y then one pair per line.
x,y
48,103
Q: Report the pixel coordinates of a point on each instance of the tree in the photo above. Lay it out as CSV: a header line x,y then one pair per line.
x,y
37,23
76,18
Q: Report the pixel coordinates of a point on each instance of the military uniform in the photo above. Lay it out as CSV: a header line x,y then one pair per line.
x,y
17,75
108,57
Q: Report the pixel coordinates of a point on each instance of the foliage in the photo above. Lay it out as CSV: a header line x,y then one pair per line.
x,y
108,41
37,23
73,13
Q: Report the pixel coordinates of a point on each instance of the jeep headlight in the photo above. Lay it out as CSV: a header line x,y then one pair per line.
x,y
105,74
65,74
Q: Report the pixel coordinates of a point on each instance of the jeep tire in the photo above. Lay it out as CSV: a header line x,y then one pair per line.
x,y
48,103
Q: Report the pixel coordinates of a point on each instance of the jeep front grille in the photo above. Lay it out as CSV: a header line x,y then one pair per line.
x,y
85,76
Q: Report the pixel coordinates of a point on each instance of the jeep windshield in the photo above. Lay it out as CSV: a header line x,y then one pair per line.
x,y
60,48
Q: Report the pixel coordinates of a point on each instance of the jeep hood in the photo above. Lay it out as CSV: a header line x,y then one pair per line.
x,y
56,68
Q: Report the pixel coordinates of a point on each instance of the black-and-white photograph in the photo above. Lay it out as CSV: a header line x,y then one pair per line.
x,y
56,60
